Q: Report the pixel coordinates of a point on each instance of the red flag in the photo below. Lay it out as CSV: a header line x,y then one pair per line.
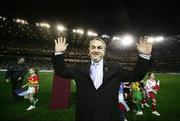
x,y
60,93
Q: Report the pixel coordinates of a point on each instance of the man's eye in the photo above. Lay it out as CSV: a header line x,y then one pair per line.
x,y
92,47
100,48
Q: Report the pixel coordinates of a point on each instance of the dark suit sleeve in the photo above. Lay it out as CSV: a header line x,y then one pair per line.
x,y
60,68
140,70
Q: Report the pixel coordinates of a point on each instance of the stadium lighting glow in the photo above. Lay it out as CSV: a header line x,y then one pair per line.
x,y
43,25
116,38
20,21
61,28
3,18
105,36
122,41
74,30
127,40
90,33
78,31
159,39
156,39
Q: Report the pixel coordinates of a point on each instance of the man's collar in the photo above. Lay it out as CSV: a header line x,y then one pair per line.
x,y
100,62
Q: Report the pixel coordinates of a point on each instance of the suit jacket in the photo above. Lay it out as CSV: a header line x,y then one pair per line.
x,y
102,103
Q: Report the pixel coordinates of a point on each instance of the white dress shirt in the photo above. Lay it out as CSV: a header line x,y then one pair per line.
x,y
96,73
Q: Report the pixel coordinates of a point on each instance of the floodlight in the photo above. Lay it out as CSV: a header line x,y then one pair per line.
x,y
90,33
127,40
61,28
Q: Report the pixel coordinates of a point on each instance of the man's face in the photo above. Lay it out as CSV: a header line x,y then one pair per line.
x,y
96,50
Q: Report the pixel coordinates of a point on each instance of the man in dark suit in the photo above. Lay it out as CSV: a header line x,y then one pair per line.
x,y
15,74
97,82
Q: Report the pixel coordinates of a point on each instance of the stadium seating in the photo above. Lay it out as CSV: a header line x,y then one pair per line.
x,y
36,45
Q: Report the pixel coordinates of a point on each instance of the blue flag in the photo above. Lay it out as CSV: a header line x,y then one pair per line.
x,y
21,91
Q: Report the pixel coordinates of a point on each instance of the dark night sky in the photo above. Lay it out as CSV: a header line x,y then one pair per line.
x,y
112,16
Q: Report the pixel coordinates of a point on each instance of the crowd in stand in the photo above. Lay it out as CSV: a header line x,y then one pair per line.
x,y
36,42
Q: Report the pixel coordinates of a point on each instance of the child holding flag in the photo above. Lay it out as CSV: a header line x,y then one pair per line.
x,y
33,86
123,107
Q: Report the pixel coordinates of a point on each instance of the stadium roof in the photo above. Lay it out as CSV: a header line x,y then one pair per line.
x,y
112,16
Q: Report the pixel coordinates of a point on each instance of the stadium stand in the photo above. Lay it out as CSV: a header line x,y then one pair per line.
x,y
36,44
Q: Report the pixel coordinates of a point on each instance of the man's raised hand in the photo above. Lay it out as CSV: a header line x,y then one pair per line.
x,y
60,45
144,46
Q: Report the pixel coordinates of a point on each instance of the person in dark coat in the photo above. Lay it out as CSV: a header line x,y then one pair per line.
x,y
15,75
97,82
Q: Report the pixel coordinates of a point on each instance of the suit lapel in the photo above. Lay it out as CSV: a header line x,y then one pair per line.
x,y
106,70
86,71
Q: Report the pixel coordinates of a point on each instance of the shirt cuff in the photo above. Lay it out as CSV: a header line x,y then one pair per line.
x,y
147,57
58,53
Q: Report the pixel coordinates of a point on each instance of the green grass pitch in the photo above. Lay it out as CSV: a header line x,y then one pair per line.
x,y
168,102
